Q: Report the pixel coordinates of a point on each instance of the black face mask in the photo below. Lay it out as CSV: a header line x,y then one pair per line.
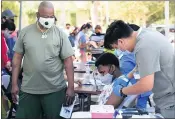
x,y
98,33
12,20
3,20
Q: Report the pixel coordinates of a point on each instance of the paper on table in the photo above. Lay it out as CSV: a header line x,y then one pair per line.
x,y
75,85
98,82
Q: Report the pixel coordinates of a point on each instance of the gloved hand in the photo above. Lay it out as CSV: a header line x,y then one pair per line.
x,y
123,81
117,89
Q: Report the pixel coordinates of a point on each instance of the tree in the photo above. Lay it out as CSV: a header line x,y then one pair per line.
x,y
172,12
14,7
138,12
31,13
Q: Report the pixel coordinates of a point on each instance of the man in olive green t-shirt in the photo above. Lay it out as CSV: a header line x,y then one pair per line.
x,y
46,51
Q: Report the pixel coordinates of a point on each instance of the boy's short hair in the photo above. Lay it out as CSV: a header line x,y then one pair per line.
x,y
117,30
134,27
107,59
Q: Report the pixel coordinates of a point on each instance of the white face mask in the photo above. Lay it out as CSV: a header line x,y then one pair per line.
x,y
47,22
106,79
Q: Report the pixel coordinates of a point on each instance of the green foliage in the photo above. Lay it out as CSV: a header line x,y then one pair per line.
x,y
31,13
138,12
13,6
172,12
31,16
73,19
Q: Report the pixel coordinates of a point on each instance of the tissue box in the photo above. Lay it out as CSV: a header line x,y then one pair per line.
x,y
102,111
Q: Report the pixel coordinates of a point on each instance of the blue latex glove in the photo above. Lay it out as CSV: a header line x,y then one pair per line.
x,y
123,81
116,90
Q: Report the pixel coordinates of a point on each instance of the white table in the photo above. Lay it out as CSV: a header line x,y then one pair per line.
x,y
76,115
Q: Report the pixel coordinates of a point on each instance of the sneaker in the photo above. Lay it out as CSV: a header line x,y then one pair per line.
x,y
13,113
7,114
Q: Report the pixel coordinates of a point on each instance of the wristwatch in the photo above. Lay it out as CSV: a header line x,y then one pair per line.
x,y
122,94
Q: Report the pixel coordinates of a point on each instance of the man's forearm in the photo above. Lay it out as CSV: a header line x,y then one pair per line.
x,y
136,89
16,66
143,85
68,62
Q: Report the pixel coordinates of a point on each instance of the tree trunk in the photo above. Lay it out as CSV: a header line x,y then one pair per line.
x,y
94,13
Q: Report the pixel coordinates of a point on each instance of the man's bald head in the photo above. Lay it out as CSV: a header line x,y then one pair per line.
x,y
46,10
45,4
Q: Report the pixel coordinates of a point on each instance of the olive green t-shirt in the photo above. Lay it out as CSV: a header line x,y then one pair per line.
x,y
43,59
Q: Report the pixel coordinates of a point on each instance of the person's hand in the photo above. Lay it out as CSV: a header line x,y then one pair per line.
x,y
8,65
117,89
70,97
15,91
123,81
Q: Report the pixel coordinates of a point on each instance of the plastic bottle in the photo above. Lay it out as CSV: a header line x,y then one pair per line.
x,y
87,74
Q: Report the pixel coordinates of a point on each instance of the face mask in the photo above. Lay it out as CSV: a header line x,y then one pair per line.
x,y
6,34
118,52
47,22
89,32
128,52
106,79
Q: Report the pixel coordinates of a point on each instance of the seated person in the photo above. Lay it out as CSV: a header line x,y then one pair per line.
x,y
108,66
97,39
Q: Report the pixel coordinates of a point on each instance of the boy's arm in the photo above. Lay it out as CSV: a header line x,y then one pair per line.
x,y
114,100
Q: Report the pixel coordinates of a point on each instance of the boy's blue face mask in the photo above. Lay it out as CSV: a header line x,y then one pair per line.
x,y
7,34
128,52
118,52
